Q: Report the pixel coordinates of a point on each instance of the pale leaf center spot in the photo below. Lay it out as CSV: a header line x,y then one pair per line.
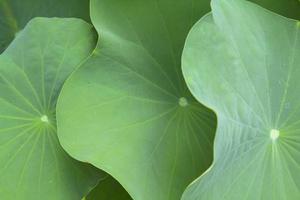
x,y
274,134
183,102
45,119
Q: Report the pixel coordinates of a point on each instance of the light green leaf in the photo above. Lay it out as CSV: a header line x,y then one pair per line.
x,y
108,189
244,63
128,111
32,163
14,14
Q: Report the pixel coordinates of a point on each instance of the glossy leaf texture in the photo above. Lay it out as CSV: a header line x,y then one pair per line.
x,y
108,189
128,111
244,62
33,165
14,14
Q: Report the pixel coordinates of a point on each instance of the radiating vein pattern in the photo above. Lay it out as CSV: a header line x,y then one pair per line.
x,y
249,77
135,117
33,165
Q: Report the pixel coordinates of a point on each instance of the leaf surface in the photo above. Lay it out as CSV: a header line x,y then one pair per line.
x,y
14,14
128,111
287,8
108,189
33,165
244,63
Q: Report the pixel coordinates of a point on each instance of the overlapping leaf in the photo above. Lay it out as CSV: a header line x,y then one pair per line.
x,y
32,70
244,63
287,8
108,189
128,111
14,14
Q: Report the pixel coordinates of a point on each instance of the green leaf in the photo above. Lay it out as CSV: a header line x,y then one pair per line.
x,y
128,111
108,189
244,63
287,8
32,163
14,14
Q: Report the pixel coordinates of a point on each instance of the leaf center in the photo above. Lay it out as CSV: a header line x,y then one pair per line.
x,y
274,134
45,119
183,102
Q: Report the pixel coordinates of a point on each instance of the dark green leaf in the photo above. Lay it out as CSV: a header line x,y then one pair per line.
x,y
14,14
108,189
